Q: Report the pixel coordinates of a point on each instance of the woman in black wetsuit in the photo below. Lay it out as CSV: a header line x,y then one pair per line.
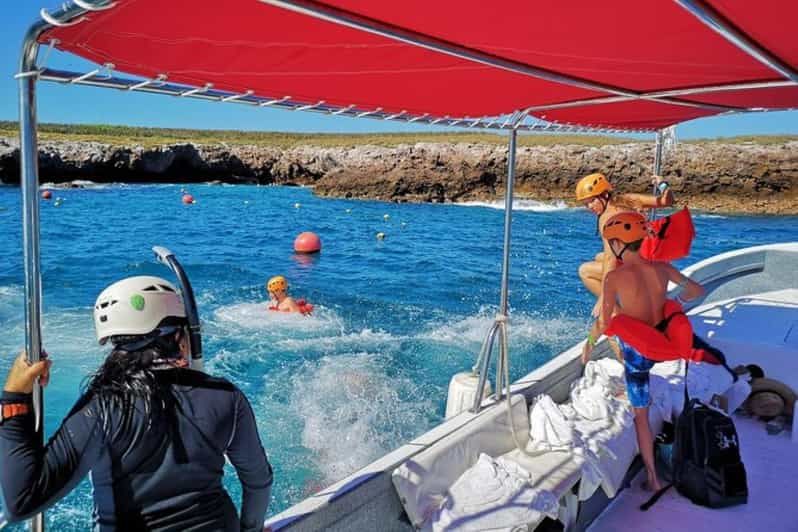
x,y
153,433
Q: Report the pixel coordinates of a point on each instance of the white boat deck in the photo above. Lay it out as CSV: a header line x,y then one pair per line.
x,y
771,463
757,329
760,329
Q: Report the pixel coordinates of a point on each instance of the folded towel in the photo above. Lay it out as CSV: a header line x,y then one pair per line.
x,y
494,494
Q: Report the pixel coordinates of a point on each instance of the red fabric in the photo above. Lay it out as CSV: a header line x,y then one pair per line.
x,y
676,343
241,45
672,237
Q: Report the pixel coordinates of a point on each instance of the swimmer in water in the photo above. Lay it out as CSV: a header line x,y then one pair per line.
x,y
278,294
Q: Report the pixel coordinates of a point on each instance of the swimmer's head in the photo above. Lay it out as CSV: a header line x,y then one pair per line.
x,y
277,284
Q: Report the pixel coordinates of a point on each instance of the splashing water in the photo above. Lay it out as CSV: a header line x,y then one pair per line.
x,y
394,319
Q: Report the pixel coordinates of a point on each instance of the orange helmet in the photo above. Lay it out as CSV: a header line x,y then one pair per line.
x,y
277,283
627,227
591,186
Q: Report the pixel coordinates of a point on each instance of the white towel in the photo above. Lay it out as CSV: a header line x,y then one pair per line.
x,y
494,494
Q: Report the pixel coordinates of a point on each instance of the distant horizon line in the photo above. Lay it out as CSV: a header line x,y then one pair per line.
x,y
112,129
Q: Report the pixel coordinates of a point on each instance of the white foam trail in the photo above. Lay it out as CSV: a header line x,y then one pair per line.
x,y
257,317
523,329
11,299
82,184
353,412
709,216
520,205
365,339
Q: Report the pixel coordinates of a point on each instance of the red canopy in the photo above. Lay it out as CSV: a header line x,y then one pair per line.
x,y
571,62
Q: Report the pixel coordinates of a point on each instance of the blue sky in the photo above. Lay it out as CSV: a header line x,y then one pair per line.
x,y
66,104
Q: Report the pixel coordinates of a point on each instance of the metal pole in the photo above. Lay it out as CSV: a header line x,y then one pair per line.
x,y
714,20
508,220
658,152
336,15
658,142
29,182
484,359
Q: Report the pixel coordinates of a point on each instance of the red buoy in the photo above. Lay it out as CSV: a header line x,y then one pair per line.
x,y
47,194
307,242
188,199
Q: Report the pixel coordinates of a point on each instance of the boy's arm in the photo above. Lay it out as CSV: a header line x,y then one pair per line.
x,y
607,265
609,294
650,201
690,289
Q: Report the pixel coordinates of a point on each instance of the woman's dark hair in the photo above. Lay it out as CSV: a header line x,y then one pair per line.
x,y
128,374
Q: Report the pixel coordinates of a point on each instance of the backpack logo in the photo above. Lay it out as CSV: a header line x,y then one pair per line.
x,y
725,442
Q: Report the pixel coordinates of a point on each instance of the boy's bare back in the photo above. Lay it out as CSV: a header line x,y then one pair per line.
x,y
639,289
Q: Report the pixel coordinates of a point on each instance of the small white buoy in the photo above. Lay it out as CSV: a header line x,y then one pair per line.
x,y
462,390
386,217
297,205
246,202
348,211
404,224
380,236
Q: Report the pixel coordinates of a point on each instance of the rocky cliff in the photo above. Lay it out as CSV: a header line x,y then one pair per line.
x,y
743,177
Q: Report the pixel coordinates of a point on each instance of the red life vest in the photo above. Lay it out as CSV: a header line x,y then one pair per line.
x,y
671,239
674,343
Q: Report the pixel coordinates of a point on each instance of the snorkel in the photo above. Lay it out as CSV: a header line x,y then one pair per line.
x,y
168,259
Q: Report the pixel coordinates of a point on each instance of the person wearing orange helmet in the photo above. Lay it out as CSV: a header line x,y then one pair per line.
x,y
278,294
637,288
596,193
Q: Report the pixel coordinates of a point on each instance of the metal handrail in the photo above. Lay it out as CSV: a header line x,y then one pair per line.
x,y
500,323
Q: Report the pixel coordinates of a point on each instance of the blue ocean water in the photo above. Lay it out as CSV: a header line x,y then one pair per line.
x,y
394,319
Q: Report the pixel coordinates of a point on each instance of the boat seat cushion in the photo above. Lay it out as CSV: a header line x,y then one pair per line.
x,y
423,481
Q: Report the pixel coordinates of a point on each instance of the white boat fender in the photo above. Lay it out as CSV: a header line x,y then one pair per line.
x,y
462,391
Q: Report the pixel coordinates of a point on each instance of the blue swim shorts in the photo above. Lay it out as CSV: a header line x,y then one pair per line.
x,y
636,370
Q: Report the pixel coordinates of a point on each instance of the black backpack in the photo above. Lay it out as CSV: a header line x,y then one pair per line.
x,y
706,458
707,468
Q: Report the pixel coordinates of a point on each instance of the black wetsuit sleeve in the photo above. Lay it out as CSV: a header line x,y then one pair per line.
x,y
254,471
34,477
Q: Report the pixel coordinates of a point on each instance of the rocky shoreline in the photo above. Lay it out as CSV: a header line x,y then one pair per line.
x,y
719,177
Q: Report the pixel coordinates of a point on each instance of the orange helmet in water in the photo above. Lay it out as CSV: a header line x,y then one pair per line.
x,y
277,284
591,186
627,227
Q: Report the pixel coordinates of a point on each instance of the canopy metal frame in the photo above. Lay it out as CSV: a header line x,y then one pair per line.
x,y
74,13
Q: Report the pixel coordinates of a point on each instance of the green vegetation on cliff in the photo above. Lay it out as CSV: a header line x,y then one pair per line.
x,y
146,136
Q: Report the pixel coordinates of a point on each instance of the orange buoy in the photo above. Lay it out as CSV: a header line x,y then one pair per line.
x,y
307,242
188,199
47,194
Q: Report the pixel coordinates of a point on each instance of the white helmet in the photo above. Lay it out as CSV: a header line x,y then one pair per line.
x,y
135,306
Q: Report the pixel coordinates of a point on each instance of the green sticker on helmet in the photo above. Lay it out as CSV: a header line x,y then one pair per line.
x,y
137,301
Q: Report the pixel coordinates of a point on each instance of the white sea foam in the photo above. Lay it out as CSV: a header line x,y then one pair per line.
x,y
353,412
709,216
520,205
257,317
82,183
365,339
523,329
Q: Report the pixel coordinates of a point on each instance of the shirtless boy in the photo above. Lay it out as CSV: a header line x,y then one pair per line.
x,y
595,192
637,288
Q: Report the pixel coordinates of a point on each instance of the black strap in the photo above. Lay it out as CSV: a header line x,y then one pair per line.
x,y
686,396
654,498
662,230
700,343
